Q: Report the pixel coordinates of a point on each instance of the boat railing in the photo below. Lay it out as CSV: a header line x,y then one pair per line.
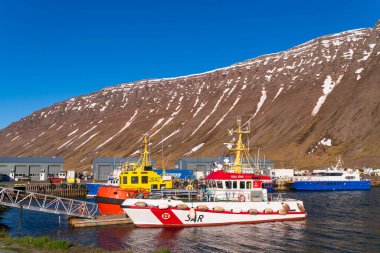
x,y
195,195
275,197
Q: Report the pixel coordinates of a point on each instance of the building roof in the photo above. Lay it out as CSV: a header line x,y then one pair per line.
x,y
31,159
115,160
189,159
215,159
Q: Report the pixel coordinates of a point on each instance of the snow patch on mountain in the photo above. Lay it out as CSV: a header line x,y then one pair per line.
x,y
328,86
195,149
129,122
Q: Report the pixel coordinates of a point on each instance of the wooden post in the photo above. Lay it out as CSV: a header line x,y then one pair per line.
x,y
19,221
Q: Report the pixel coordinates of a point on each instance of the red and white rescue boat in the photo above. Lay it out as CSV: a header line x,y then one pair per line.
x,y
180,213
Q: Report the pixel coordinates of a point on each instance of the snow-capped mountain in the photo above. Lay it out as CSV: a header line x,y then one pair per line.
x,y
304,106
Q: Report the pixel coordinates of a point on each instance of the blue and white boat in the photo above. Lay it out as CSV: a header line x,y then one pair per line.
x,y
112,180
332,179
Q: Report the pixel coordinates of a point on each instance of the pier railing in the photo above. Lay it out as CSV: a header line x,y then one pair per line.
x,y
47,203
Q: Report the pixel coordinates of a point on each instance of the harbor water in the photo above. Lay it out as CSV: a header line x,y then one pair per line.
x,y
346,221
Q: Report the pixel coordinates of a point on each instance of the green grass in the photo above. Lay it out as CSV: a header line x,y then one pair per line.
x,y
162,251
41,242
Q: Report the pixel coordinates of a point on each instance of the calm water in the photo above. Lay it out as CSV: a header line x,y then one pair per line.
x,y
336,222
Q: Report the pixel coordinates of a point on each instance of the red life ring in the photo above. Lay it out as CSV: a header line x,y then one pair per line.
x,y
241,198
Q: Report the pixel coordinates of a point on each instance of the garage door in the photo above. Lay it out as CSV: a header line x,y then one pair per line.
x,y
104,171
21,171
53,170
35,171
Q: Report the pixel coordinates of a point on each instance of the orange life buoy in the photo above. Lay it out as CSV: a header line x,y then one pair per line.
x,y
241,198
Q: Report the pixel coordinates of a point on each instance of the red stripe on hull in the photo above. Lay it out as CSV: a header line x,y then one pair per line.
x,y
217,224
209,211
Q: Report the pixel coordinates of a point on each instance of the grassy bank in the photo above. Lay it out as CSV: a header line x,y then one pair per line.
x,y
44,244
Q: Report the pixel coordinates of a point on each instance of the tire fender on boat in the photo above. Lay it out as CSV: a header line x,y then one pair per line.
x,y
182,207
301,207
253,211
236,210
192,213
218,209
282,211
202,208
140,204
286,207
268,210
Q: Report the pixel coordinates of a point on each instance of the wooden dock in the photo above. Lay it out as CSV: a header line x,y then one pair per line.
x,y
283,185
102,220
59,189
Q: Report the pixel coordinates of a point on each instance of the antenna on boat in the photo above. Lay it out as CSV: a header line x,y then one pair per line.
x,y
162,156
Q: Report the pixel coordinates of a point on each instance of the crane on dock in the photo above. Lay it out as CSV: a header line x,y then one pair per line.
x,y
47,203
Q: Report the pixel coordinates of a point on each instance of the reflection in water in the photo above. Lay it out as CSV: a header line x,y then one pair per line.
x,y
336,222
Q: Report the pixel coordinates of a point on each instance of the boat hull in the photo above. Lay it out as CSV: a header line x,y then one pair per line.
x,y
153,216
110,198
331,185
93,189
269,186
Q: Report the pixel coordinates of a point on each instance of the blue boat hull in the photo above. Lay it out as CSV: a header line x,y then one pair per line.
x,y
269,186
331,185
93,189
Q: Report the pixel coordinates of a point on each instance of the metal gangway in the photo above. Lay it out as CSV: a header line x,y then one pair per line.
x,y
47,203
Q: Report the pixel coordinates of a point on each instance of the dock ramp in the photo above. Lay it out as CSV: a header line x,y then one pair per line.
x,y
47,203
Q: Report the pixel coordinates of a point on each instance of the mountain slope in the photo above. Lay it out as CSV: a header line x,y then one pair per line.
x,y
304,106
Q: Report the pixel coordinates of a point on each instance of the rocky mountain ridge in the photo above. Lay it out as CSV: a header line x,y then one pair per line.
x,y
304,106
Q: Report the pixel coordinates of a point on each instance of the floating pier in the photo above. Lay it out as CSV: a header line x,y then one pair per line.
x,y
102,220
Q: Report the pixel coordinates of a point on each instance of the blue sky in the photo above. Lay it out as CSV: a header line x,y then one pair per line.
x,y
52,50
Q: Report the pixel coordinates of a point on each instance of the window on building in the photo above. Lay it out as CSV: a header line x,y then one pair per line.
x,y
134,180
242,184
125,180
228,184
219,184
234,184
249,184
144,179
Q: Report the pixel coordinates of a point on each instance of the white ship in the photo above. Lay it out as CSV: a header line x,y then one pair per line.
x,y
171,212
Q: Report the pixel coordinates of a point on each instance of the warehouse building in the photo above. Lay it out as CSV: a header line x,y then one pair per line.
x,y
33,168
103,167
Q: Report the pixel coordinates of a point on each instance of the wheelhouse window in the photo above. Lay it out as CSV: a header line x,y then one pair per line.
x,y
228,184
242,184
154,186
125,180
213,184
144,179
134,180
234,184
219,184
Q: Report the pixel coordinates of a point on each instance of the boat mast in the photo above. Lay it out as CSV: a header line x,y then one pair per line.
x,y
239,147
145,155
144,160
